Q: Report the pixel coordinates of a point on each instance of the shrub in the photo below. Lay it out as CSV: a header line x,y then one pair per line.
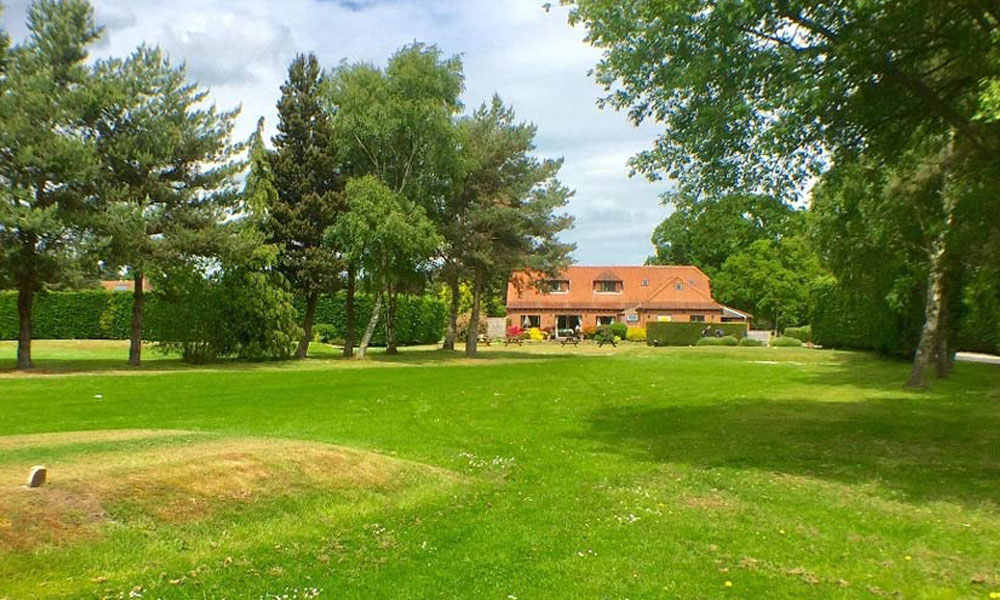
x,y
589,331
619,329
749,341
604,335
536,334
803,333
514,331
636,334
419,319
326,333
786,342
726,340
242,312
687,334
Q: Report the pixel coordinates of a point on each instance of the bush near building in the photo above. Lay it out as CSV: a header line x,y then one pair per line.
x,y
688,334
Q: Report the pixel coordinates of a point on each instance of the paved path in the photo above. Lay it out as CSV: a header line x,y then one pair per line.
x,y
977,357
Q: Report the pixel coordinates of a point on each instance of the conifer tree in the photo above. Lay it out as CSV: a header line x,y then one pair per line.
x,y
309,190
45,156
168,171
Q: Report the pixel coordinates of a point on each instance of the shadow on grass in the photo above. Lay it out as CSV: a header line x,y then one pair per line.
x,y
923,449
319,357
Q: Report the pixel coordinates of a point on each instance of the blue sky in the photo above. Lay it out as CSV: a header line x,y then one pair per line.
x,y
532,58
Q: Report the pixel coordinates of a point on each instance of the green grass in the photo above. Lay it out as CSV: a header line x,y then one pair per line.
x,y
580,473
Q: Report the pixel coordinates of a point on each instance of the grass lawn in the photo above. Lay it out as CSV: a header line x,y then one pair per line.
x,y
535,472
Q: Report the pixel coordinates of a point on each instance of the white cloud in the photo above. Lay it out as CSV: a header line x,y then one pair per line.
x,y
533,59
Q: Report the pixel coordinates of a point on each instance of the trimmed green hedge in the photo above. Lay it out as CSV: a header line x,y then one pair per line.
x,y
419,319
88,314
786,341
751,343
97,314
687,334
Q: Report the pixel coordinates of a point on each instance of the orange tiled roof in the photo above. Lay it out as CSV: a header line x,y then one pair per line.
x,y
668,287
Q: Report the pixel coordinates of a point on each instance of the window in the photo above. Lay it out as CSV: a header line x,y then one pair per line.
x,y
607,287
530,321
558,286
645,283
678,286
697,318
605,320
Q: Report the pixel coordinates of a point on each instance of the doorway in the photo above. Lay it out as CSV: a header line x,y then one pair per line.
x,y
566,322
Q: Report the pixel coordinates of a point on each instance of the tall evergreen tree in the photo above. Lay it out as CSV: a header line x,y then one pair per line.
x,y
505,217
259,192
307,178
168,171
46,158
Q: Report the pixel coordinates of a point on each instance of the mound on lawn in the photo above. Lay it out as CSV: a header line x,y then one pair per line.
x,y
173,477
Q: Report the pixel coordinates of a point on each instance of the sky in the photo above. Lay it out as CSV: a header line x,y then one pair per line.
x,y
536,62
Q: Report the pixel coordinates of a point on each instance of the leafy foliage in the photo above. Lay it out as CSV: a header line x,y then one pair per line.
x,y
687,334
786,341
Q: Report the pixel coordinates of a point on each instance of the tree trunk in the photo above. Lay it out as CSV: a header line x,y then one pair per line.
x,y
135,339
943,363
930,344
349,329
370,329
472,337
390,323
307,325
25,297
452,330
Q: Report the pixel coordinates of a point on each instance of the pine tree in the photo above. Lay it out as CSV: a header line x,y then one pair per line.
x,y
308,184
46,159
168,171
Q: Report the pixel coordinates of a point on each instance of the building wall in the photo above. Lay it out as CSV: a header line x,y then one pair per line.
x,y
547,317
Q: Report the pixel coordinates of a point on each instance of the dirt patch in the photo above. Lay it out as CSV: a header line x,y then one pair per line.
x,y
711,501
180,483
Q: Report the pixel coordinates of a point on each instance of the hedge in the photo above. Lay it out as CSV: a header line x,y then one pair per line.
x,y
88,314
97,314
687,334
726,340
858,319
419,319
786,341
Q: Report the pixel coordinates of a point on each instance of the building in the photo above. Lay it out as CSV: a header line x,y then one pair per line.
x,y
591,296
124,285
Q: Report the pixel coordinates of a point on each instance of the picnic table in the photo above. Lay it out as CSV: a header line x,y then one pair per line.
x,y
569,339
513,339
484,339
603,341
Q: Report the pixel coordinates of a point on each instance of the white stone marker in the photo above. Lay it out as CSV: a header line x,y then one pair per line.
x,y
37,477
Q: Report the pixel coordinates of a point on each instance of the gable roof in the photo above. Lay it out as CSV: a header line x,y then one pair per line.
x,y
667,288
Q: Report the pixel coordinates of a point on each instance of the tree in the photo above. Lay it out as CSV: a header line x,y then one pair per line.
x,y
46,158
397,125
259,192
759,97
167,170
771,279
307,178
705,234
390,238
504,217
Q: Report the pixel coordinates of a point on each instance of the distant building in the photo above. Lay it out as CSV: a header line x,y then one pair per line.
x,y
124,285
591,296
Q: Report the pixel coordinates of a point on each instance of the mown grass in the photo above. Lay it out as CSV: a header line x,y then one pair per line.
x,y
585,473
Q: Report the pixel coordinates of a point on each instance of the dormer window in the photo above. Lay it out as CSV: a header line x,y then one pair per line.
x,y
557,286
608,287
645,283
678,286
